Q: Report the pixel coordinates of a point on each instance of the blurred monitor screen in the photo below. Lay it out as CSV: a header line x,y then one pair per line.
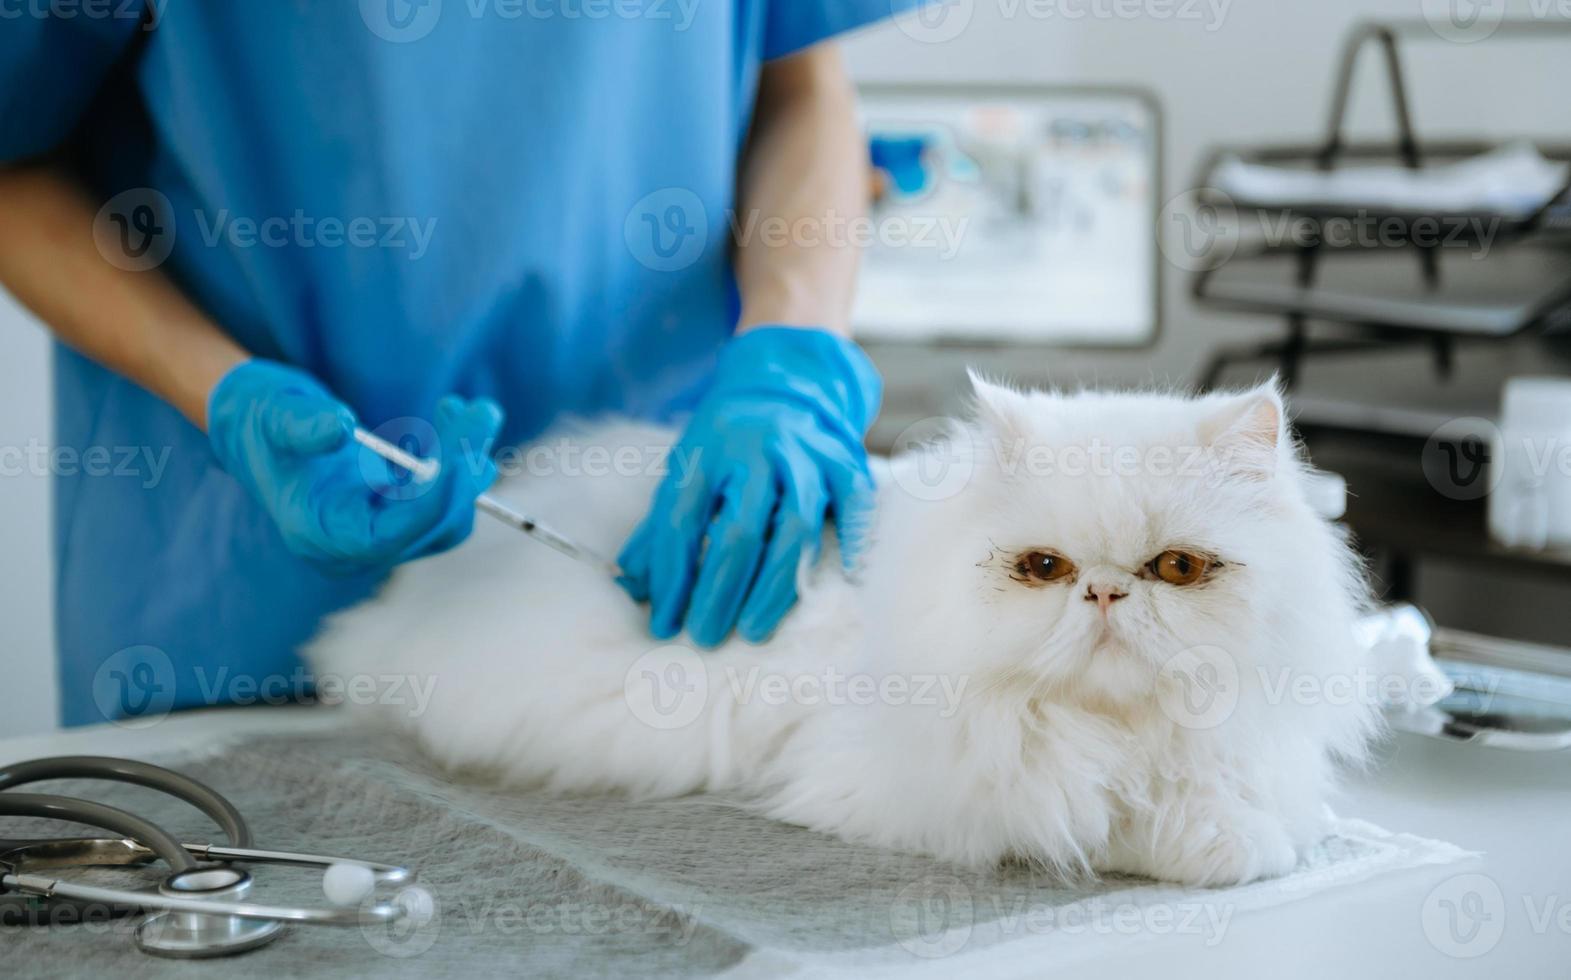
x,y
1011,215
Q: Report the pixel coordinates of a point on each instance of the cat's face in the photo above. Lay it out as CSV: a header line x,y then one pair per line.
x,y
1098,536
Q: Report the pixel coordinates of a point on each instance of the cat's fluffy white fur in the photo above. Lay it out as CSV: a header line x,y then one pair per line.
x,y
1047,731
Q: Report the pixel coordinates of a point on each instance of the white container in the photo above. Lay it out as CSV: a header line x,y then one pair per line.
x,y
1531,503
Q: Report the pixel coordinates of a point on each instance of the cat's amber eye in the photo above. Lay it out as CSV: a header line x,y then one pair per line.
x,y
1045,566
1180,567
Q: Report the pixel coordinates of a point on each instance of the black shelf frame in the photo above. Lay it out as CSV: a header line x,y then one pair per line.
x,y
1289,351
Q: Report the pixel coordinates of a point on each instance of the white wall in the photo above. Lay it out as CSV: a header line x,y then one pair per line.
x,y
27,644
1261,71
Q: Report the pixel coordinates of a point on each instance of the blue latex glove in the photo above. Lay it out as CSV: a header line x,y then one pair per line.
x,y
774,446
290,443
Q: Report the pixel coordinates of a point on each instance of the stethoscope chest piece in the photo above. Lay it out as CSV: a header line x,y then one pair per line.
x,y
192,935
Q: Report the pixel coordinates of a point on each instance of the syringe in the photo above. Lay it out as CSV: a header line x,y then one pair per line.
x,y
426,470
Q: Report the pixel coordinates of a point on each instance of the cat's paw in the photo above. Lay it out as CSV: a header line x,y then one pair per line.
x,y
1234,848
1215,850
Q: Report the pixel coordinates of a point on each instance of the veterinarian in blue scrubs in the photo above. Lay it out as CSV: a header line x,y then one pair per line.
x,y
255,225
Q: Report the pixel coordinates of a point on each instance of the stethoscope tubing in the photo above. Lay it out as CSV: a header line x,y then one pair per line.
x,y
203,797
100,815
143,835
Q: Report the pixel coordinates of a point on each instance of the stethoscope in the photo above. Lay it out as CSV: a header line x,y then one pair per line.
x,y
200,909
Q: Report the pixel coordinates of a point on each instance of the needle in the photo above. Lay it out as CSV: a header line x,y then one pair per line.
x,y
425,470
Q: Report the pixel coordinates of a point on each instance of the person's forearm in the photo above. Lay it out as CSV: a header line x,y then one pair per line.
x,y
803,188
137,324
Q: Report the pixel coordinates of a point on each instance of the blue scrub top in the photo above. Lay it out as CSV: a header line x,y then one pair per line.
x,y
523,199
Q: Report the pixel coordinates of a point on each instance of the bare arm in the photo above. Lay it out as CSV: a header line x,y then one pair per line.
x,y
803,182
137,324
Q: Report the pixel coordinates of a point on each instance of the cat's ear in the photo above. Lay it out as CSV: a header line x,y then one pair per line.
x,y
999,408
1242,436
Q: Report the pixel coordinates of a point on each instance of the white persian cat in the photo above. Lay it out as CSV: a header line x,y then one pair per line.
x,y
1092,631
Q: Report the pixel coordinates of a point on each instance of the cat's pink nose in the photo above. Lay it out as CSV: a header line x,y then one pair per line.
x,y
1103,596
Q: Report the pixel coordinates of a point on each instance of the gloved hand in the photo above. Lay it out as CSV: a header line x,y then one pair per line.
x,y
290,443
774,445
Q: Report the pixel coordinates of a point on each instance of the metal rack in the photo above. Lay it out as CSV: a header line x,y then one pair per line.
x,y
1546,222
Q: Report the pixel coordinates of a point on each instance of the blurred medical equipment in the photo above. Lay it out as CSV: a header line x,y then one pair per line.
x,y
425,470
1515,179
1010,214
201,908
1505,694
1530,506
1449,684
1425,242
